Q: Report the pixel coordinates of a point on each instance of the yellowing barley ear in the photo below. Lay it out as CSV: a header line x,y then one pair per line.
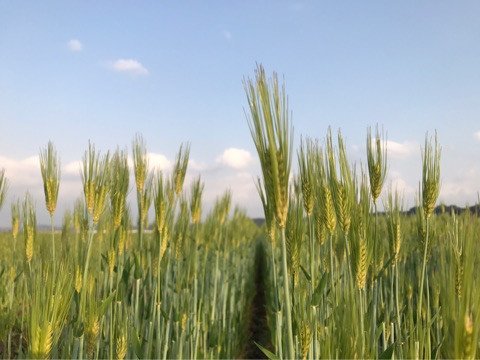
x,y
29,226
140,162
305,340
111,260
180,168
95,180
377,162
430,175
50,169
119,183
328,213
306,163
3,187
121,347
196,200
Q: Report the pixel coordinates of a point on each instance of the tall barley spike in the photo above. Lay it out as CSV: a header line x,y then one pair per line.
x,y
377,162
306,162
50,170
180,168
121,347
196,200
140,162
119,183
430,175
29,226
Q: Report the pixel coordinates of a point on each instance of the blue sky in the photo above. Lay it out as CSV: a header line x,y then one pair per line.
x,y
76,71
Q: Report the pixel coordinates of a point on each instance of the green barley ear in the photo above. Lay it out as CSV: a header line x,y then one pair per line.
x,y
15,212
306,163
119,183
430,175
146,199
180,168
393,209
328,209
50,169
377,162
140,162
95,180
160,202
3,187
196,200
29,226
272,134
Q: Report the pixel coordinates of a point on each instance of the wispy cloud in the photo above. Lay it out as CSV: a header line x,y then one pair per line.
x,y
401,150
75,45
235,158
476,135
130,66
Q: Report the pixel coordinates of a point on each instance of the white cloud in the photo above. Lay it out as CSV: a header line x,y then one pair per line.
x,y
72,168
235,158
75,45
401,150
130,66
158,161
476,135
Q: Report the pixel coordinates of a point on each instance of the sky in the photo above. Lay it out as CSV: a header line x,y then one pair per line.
x,y
79,71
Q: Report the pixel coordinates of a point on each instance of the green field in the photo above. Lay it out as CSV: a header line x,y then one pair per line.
x,y
338,270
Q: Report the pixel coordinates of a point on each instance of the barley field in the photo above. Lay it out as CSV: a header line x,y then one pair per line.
x,y
342,269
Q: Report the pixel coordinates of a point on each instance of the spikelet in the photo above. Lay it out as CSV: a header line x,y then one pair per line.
x,y
343,207
29,227
305,340
328,212
183,322
430,176
180,168
111,260
50,169
319,227
91,331
122,234
458,278
196,201
362,264
377,163
121,347
41,342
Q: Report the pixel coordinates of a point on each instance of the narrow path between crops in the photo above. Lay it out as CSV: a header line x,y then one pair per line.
x,y
258,327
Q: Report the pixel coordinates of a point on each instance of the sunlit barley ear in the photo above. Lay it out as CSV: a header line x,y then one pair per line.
x,y
119,183
430,175
29,226
15,212
394,208
306,163
121,346
180,168
3,187
305,340
50,169
328,211
160,202
140,162
196,200
377,162
272,134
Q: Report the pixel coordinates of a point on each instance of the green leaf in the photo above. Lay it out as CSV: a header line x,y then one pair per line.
x,y
307,275
106,303
388,353
267,352
317,294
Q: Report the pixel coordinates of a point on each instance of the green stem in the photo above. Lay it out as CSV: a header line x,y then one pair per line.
x,y
424,267
291,349
54,265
